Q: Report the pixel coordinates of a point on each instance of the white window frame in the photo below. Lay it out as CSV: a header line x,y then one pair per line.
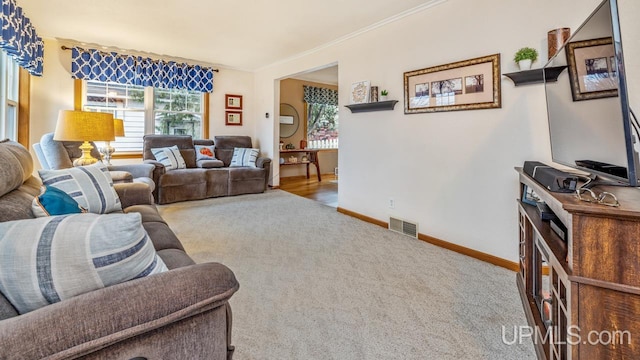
x,y
149,110
9,102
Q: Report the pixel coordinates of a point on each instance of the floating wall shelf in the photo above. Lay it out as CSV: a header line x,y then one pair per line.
x,y
375,106
535,76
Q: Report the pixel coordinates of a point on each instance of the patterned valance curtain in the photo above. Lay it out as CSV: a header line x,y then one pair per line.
x,y
19,39
318,95
91,64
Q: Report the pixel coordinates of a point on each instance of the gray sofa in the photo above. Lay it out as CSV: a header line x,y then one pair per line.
x,y
179,314
198,181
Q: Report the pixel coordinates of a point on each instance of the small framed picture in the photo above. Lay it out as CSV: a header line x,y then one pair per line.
x,y
233,101
529,196
233,118
360,92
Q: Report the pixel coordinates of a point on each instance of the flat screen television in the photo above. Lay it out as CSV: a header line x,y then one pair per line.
x,y
590,121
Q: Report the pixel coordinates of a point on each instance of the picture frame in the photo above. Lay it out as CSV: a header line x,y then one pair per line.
x,y
464,85
233,101
233,118
529,196
592,69
360,92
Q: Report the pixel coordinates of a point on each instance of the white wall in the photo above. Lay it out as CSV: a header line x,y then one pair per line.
x,y
451,172
54,91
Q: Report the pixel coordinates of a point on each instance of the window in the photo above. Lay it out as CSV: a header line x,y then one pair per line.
x,y
147,111
322,125
178,112
8,97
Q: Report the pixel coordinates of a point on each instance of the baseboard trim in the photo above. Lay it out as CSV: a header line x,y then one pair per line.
x,y
491,259
312,176
363,217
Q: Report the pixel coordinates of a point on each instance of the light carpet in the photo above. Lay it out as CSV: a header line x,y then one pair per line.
x,y
317,284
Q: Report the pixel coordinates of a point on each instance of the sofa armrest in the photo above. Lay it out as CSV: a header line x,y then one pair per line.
x,y
158,171
92,321
263,162
137,170
133,194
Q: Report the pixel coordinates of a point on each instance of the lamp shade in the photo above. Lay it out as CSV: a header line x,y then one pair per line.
x,y
84,126
118,127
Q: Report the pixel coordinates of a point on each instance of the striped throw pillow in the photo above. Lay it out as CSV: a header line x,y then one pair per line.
x,y
244,157
50,259
91,186
170,157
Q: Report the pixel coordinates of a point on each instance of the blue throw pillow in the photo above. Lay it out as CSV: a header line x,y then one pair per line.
x,y
53,201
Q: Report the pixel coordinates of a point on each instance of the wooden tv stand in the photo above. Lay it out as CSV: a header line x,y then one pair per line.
x,y
592,279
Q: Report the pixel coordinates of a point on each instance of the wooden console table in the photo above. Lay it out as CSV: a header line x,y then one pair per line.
x,y
587,285
312,156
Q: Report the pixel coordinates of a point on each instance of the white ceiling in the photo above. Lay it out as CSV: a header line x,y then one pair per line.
x,y
241,34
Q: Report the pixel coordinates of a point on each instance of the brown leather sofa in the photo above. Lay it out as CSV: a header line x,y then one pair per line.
x,y
181,313
199,182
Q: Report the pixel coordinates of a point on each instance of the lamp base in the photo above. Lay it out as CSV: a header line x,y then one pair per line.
x,y
86,158
107,151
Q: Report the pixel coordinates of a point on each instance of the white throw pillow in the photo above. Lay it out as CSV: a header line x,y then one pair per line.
x,y
205,152
50,259
91,186
244,157
170,157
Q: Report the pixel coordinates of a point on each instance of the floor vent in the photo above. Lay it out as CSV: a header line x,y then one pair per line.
x,y
403,227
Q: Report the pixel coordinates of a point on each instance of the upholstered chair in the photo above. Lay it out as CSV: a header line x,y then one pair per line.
x,y
53,154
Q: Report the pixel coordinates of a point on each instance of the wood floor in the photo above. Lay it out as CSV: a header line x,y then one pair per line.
x,y
325,191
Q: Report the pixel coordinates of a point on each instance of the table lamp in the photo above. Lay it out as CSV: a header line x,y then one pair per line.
x,y
108,150
84,126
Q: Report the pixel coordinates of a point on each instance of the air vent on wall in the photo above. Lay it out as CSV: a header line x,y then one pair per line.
x,y
403,226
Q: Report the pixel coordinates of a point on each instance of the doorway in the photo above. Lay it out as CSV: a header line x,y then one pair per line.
x,y
309,124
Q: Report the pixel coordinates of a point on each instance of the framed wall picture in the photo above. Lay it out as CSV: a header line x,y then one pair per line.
x,y
233,118
592,69
463,85
360,92
529,196
233,101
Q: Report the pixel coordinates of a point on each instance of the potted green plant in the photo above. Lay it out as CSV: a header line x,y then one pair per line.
x,y
383,95
525,56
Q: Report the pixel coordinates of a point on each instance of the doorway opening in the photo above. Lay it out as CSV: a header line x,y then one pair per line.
x,y
309,134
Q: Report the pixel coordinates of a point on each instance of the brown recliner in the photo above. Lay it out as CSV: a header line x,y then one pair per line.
x,y
200,182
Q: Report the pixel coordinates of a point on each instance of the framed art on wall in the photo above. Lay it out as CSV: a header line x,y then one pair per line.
x,y
592,69
360,92
233,101
463,85
233,118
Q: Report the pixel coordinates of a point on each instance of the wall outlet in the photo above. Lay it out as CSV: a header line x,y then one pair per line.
x,y
392,203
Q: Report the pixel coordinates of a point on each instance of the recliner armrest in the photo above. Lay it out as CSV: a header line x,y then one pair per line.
x,y
133,194
92,321
137,170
